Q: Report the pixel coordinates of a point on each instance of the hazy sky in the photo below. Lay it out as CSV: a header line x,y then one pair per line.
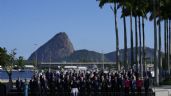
x,y
24,23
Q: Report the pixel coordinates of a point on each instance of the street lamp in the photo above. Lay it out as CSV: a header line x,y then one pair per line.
x,y
50,62
36,54
103,59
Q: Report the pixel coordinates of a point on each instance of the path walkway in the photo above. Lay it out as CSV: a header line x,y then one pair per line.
x,y
164,90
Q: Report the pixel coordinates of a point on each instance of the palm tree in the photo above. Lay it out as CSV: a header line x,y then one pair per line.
x,y
169,31
124,12
137,13
140,51
136,43
169,39
167,52
165,15
155,44
101,4
131,31
129,7
154,16
144,11
159,37
140,11
144,16
117,36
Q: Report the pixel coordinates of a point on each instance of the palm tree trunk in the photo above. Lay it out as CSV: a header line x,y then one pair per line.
x,y
155,45
125,43
136,44
143,33
160,63
168,45
160,57
165,44
9,78
140,51
117,37
169,42
132,52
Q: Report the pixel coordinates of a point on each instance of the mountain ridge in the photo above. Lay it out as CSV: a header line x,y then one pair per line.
x,y
59,48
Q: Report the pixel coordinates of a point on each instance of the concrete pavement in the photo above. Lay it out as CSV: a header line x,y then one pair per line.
x,y
164,90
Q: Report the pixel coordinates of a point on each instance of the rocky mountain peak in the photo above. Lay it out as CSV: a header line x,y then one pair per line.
x,y
54,50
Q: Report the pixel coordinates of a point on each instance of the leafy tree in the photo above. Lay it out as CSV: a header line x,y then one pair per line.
x,y
7,61
20,62
3,56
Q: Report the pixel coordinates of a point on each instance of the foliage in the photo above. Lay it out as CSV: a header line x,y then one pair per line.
x,y
166,82
20,62
4,57
142,7
7,60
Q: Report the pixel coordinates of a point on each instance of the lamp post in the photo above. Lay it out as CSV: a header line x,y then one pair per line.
x,y
35,55
50,62
103,59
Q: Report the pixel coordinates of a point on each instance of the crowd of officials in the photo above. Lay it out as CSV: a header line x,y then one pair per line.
x,y
88,83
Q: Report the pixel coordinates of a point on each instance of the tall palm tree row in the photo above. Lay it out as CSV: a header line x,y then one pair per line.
x,y
160,10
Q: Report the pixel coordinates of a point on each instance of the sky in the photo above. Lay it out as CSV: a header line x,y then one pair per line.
x,y
24,23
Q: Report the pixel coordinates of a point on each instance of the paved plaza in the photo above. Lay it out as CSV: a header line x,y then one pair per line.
x,y
162,90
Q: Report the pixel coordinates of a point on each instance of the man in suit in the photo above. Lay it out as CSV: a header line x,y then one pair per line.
x,y
146,85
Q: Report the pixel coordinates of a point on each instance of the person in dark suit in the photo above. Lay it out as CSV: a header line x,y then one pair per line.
x,y
43,86
17,85
31,87
82,85
67,85
89,87
96,85
2,89
109,86
35,86
146,85
103,86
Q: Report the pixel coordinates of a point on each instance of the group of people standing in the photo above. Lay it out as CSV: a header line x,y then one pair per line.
x,y
89,83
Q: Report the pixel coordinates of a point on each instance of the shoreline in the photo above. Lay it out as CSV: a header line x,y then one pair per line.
x,y
6,80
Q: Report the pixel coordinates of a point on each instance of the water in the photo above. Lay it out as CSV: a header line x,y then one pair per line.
x,y
15,74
